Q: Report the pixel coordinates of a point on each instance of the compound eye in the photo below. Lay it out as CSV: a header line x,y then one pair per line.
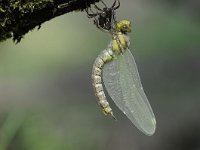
x,y
103,14
124,26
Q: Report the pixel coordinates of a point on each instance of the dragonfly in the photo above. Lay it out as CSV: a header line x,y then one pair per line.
x,y
116,68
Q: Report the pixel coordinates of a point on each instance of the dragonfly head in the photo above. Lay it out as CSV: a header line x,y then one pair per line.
x,y
123,26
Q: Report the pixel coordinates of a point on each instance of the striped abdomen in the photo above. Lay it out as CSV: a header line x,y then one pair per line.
x,y
104,57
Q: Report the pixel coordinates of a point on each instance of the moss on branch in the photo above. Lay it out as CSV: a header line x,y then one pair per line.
x,y
18,17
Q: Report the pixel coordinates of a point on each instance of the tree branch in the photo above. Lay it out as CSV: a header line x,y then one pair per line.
x,y
18,17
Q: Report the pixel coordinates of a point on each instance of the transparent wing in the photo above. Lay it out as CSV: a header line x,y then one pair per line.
x,y
122,82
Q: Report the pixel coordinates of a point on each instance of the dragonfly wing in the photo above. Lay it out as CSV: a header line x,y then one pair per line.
x,y
111,79
123,84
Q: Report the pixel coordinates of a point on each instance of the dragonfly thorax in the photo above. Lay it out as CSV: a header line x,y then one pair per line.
x,y
120,42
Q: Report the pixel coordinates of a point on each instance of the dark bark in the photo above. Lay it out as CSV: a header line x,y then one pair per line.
x,y
18,17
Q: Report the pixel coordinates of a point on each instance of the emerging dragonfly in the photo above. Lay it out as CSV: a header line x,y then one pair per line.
x,y
122,81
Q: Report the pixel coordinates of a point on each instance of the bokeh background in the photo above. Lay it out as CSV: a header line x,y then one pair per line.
x,y
46,97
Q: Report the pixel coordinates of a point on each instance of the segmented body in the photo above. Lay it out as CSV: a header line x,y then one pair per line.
x,y
104,57
119,43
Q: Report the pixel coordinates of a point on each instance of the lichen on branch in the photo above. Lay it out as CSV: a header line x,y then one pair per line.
x,y
18,17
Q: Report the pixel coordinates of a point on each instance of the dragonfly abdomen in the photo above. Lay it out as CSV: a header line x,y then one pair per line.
x,y
104,57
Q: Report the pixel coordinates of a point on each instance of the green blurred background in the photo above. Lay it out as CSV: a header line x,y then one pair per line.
x,y
46,97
